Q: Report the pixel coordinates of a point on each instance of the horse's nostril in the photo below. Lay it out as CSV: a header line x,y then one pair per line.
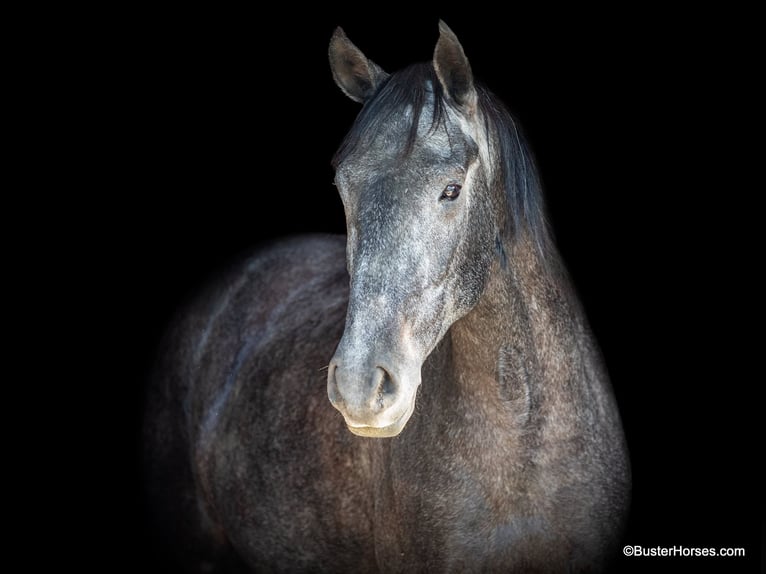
x,y
361,394
332,386
385,386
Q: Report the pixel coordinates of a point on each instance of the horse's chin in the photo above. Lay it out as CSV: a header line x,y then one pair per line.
x,y
388,431
375,432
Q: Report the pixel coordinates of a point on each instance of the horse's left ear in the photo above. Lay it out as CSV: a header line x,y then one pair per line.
x,y
453,70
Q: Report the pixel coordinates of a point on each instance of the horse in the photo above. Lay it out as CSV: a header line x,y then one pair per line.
x,y
470,426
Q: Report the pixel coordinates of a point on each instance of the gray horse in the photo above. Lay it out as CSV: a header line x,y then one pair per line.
x,y
474,428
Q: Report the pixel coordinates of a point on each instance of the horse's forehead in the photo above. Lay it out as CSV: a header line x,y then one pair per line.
x,y
436,146
384,172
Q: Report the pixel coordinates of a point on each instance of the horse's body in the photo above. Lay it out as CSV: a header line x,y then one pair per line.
x,y
512,457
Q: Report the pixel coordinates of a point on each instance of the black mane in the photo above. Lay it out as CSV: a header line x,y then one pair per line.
x,y
412,87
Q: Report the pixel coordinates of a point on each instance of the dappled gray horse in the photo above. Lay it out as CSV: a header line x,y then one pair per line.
x,y
483,431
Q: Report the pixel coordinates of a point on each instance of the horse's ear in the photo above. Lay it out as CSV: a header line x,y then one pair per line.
x,y
355,75
453,70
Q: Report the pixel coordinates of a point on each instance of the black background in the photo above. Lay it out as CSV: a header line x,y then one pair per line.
x,y
212,131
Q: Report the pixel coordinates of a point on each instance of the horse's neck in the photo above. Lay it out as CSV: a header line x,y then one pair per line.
x,y
502,350
482,401
517,303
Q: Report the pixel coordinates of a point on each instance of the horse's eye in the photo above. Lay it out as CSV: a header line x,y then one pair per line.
x,y
451,191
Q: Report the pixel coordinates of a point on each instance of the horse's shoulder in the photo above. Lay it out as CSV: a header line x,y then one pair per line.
x,y
276,269
311,253
280,281
296,266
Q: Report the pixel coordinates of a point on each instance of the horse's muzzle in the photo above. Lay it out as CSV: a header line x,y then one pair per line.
x,y
373,402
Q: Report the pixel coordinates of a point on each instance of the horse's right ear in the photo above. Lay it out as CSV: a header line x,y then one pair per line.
x,y
355,75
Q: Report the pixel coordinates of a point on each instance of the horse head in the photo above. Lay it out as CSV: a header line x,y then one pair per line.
x,y
415,175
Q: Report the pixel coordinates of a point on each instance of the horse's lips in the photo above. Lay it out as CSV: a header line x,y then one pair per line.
x,y
377,432
388,431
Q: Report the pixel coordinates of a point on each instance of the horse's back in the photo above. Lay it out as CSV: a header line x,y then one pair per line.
x,y
238,416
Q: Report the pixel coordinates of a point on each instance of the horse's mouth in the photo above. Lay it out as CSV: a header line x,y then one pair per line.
x,y
378,432
383,432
